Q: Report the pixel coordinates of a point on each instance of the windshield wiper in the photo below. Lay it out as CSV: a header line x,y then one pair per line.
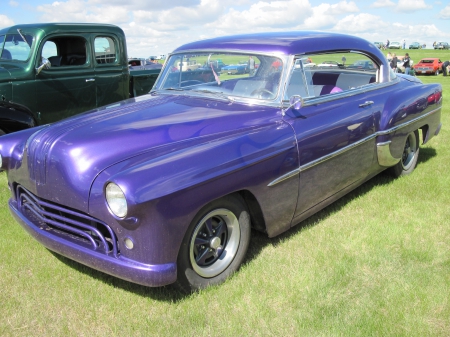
x,y
23,37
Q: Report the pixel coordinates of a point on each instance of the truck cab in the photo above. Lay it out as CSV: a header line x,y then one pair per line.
x,y
52,71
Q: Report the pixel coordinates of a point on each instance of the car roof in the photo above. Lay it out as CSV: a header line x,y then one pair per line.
x,y
285,43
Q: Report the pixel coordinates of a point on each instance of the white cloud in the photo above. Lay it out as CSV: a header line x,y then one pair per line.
x,y
445,13
408,6
13,3
361,23
326,15
80,11
382,4
5,21
264,16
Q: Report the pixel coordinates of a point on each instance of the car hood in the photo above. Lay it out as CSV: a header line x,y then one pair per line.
x,y
68,155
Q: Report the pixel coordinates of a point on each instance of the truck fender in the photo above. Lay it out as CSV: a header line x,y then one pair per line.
x,y
15,117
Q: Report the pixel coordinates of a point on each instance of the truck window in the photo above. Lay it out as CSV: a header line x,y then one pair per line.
x,y
105,50
65,51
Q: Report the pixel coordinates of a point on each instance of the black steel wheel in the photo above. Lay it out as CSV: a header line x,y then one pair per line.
x,y
410,156
214,245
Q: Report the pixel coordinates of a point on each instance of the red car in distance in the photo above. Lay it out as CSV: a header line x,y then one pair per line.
x,y
428,66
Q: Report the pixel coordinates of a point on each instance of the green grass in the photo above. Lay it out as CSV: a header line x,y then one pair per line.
x,y
375,263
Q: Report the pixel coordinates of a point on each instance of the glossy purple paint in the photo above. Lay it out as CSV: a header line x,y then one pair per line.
x,y
173,153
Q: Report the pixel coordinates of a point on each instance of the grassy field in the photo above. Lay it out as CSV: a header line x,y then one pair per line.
x,y
375,263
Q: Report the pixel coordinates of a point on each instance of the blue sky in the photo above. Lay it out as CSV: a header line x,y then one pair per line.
x,y
156,27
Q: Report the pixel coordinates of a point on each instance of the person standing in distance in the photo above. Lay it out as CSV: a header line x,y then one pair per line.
x,y
406,63
445,68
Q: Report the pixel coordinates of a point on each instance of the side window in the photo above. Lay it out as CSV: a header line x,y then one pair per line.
x,y
105,50
49,50
328,74
65,51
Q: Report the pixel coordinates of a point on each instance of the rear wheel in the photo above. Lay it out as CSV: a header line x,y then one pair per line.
x,y
437,72
409,156
214,245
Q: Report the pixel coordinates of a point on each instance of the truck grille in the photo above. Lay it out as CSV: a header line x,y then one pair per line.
x,y
67,224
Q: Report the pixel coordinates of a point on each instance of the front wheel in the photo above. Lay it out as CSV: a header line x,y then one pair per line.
x,y
409,156
214,245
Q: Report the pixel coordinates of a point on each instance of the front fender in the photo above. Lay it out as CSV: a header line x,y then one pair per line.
x,y
165,188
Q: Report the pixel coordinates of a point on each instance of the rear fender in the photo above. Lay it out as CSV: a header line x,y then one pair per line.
x,y
409,109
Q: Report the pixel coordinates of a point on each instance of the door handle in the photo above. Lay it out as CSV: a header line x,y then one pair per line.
x,y
90,80
366,103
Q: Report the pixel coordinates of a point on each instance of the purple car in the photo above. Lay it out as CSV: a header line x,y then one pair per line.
x,y
165,188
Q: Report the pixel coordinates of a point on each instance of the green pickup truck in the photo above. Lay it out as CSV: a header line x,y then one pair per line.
x,y
55,70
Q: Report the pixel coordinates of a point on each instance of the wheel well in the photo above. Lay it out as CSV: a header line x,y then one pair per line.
x,y
425,133
256,215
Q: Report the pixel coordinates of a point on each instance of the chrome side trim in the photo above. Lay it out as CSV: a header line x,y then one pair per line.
x,y
383,151
384,155
284,177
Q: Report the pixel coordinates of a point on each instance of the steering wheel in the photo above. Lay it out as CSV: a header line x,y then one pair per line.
x,y
262,93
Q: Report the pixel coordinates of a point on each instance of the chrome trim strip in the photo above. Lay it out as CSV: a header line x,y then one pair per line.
x,y
383,151
384,155
284,177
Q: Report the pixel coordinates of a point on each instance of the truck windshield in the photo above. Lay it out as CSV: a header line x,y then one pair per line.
x,y
232,74
13,47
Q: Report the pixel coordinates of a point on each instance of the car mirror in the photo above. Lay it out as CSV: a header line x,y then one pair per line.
x,y
295,102
45,64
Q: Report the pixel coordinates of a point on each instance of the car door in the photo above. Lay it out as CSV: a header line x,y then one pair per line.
x,y
68,86
334,131
111,69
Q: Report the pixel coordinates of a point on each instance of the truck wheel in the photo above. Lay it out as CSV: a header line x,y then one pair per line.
x,y
214,245
409,156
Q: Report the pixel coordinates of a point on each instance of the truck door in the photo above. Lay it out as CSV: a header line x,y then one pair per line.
x,y
111,69
68,87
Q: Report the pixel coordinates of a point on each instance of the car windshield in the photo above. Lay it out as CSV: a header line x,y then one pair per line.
x,y
15,46
230,74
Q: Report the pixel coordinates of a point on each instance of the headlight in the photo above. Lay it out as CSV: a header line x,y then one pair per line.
x,y
116,200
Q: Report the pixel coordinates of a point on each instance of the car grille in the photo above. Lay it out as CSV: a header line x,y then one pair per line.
x,y
67,224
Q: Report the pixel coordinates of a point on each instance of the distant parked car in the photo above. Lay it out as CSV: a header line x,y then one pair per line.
x,y
395,45
362,64
188,65
332,64
380,45
235,69
441,45
428,66
415,45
